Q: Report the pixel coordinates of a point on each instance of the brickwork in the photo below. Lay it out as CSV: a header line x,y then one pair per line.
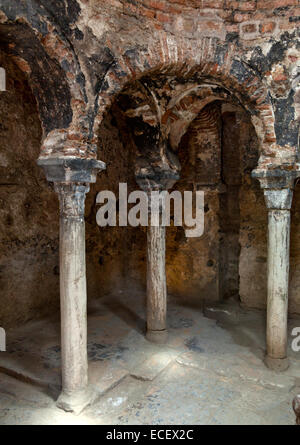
x,y
248,47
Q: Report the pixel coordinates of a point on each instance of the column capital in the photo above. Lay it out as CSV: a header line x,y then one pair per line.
x,y
278,199
157,182
276,178
278,185
71,169
162,180
71,199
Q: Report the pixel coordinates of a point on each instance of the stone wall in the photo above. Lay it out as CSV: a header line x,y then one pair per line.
x,y
29,226
93,48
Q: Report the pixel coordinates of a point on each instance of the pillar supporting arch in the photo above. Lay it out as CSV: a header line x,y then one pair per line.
x,y
278,186
71,178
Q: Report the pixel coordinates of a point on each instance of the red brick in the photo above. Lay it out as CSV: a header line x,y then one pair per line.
x,y
116,3
241,5
267,27
213,4
187,25
147,13
293,58
155,4
249,28
273,4
285,26
232,28
162,6
22,64
210,25
239,18
279,77
247,6
133,9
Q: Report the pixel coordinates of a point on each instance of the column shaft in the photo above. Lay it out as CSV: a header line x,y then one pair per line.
x,y
278,201
73,293
296,407
278,184
71,176
278,280
156,281
156,253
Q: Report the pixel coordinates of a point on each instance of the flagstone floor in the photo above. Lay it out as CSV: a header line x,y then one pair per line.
x,y
209,372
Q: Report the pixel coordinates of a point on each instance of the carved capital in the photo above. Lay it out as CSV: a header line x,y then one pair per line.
x,y
159,181
71,169
276,178
71,199
71,176
280,199
278,185
156,183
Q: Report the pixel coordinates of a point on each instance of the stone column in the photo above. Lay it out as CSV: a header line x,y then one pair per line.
x,y
71,178
73,297
279,205
156,283
278,192
156,261
296,407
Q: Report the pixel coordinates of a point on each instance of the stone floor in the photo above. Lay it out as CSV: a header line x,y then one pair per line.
x,y
210,371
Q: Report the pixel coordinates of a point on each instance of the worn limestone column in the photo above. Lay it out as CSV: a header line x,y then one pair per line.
x,y
156,282
296,407
71,178
279,205
278,192
73,297
156,258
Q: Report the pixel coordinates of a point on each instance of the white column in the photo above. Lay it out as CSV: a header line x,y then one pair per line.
x,y
296,407
279,205
73,294
71,177
156,285
156,254
278,184
2,79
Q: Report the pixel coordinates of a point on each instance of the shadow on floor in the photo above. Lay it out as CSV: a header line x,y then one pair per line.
x,y
131,318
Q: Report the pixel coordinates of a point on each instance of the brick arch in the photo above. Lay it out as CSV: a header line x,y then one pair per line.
x,y
53,74
186,106
208,60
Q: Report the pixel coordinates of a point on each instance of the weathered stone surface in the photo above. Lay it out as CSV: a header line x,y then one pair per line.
x,y
218,369
296,406
99,46
152,367
28,209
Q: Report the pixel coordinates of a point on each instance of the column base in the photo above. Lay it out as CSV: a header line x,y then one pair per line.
x,y
76,401
296,407
159,337
277,364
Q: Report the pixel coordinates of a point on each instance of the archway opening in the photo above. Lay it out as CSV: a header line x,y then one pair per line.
x,y
211,134
217,154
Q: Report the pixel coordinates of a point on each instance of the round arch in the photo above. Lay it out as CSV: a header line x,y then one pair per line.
x,y
56,80
209,61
